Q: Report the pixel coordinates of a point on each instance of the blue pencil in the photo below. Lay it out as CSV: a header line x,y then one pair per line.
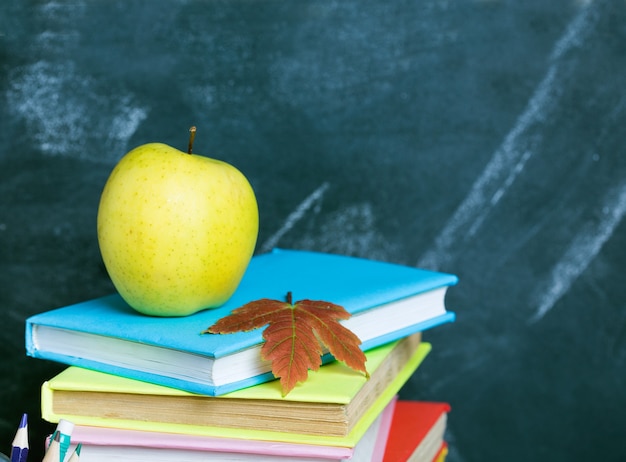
x,y
19,451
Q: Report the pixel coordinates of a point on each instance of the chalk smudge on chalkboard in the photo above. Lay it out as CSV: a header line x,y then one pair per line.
x,y
58,104
68,112
576,32
294,217
500,173
508,162
351,230
581,251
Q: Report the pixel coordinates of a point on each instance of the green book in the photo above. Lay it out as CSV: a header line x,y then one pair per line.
x,y
335,406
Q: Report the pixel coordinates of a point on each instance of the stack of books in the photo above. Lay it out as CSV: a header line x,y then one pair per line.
x,y
145,388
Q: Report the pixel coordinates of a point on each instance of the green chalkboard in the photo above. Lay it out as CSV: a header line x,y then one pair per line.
x,y
482,138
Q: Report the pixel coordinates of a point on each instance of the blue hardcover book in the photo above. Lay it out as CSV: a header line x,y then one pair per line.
x,y
387,302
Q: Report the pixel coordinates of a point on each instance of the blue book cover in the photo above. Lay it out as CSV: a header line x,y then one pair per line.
x,y
387,302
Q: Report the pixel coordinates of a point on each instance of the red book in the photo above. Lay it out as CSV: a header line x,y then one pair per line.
x,y
417,431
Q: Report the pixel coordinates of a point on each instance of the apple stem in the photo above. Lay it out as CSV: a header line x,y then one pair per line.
x,y
192,136
289,298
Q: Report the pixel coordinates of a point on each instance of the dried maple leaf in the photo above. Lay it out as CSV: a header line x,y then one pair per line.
x,y
295,334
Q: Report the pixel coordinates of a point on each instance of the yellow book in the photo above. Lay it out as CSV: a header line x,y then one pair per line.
x,y
335,406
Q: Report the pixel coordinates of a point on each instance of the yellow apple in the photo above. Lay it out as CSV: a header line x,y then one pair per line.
x,y
176,230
